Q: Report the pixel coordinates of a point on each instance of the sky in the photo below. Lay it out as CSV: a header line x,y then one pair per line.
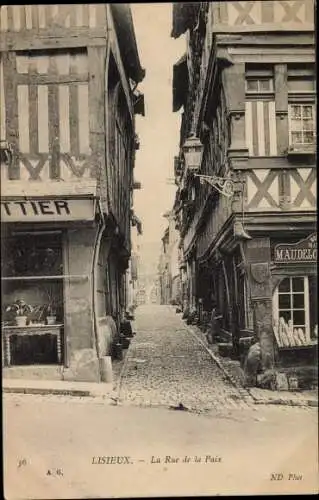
x,y
159,129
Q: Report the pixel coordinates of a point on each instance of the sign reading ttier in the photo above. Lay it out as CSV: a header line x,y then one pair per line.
x,y
47,210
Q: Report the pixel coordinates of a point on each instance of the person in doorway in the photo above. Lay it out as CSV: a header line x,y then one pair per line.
x,y
214,326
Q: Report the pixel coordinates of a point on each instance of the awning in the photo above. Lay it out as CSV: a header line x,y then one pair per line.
x,y
180,83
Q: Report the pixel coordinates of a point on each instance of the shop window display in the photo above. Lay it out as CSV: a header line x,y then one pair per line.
x,y
294,312
32,296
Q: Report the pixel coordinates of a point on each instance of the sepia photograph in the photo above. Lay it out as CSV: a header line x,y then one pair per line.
x,y
159,301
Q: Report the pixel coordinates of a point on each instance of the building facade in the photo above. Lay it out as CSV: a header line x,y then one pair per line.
x,y
69,75
169,263
247,210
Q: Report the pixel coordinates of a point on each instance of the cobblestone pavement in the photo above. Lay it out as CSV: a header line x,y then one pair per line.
x,y
167,365
305,398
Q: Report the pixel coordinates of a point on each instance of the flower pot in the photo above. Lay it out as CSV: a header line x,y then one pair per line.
x,y
51,320
21,320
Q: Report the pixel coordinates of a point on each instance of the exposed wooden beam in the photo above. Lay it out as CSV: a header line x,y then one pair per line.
x,y
49,39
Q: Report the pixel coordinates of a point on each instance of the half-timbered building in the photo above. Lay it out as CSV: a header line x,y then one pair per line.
x,y
69,77
247,209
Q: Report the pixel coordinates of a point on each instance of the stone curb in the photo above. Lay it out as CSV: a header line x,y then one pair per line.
x,y
260,401
92,392
34,390
287,402
230,378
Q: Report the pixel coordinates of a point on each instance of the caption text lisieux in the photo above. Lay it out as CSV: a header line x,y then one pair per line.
x,y
167,459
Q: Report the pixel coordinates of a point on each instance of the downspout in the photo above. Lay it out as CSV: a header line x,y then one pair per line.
x,y
102,223
96,252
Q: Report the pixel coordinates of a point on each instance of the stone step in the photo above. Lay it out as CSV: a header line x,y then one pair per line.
x,y
34,372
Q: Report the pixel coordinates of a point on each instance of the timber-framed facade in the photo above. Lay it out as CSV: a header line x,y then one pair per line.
x,y
249,97
69,75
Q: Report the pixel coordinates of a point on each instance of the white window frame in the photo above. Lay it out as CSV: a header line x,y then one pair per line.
x,y
290,129
259,90
275,304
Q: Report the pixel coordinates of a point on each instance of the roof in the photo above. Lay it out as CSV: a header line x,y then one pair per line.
x,y
124,27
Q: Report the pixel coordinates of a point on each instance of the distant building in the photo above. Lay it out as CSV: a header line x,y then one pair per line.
x,y
169,269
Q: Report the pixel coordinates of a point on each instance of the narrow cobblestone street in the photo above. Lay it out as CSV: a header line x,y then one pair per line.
x,y
66,447
167,365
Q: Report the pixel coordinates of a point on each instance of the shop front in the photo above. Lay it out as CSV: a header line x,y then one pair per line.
x,y
49,268
278,303
265,290
295,307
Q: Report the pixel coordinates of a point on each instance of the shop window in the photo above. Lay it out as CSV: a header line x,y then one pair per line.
x,y
32,295
294,315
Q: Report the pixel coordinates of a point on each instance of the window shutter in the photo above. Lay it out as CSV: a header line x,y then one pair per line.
x,y
260,128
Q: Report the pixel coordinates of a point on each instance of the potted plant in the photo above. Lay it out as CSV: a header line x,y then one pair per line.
x,y
51,307
21,310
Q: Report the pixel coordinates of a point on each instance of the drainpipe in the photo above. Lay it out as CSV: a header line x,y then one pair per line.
x,y
96,251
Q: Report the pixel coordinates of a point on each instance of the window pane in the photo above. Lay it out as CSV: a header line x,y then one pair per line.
x,y
296,111
296,137
297,284
264,85
298,301
26,255
296,125
308,125
284,301
299,318
252,85
286,315
308,138
284,285
307,112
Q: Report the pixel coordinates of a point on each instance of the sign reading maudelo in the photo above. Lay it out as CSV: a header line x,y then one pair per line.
x,y
47,210
302,251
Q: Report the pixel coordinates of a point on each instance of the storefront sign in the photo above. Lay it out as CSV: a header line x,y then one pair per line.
x,y
47,210
302,251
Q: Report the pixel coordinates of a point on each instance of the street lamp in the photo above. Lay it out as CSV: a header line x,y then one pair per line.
x,y
193,152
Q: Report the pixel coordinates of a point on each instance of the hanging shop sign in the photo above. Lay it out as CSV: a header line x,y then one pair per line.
x,y
56,210
302,251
